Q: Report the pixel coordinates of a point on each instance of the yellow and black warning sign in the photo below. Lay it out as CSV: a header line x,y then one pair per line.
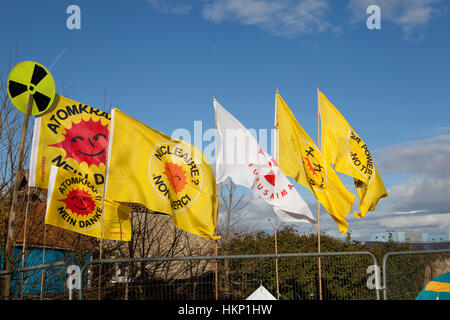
x,y
31,78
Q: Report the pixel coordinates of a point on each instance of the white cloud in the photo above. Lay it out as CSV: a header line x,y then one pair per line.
x,y
421,194
428,166
280,18
291,18
171,6
428,157
411,16
421,221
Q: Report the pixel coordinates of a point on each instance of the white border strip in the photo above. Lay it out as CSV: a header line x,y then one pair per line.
x,y
110,142
51,185
34,152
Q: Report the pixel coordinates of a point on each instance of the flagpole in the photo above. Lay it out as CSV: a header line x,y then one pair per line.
x,y
216,279
24,241
101,249
275,216
101,235
11,237
318,203
103,213
111,125
276,259
43,260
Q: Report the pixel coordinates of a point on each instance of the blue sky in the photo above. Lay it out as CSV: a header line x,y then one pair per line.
x,y
162,61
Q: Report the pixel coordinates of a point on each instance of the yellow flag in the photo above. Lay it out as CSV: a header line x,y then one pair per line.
x,y
164,174
72,136
75,203
342,146
299,157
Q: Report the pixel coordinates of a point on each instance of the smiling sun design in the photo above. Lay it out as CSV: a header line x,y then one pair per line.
x,y
80,202
85,142
176,176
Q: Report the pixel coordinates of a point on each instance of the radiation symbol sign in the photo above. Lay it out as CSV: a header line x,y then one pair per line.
x,y
31,78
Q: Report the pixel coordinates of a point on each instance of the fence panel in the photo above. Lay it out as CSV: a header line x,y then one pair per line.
x,y
194,278
406,273
43,282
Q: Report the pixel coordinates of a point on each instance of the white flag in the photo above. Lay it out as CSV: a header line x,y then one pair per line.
x,y
242,159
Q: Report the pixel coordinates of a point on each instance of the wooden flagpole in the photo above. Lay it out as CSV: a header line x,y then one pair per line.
x,y
216,278
103,208
318,203
276,259
24,241
43,260
275,215
9,255
101,247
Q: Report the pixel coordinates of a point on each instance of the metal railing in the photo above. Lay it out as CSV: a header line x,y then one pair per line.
x,y
236,276
343,277
413,269
31,284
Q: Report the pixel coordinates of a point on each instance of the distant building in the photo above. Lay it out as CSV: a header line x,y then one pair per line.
x,y
409,236
439,237
418,240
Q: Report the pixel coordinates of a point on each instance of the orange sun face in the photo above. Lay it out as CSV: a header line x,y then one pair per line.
x,y
176,176
80,202
86,142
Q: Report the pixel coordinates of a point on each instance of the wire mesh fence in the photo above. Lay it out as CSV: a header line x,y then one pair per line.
x,y
40,282
343,276
406,273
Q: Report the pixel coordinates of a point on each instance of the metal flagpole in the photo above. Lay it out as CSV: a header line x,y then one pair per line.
x,y
318,203
275,216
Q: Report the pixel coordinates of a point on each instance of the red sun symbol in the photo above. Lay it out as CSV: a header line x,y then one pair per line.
x,y
85,142
175,175
270,176
80,202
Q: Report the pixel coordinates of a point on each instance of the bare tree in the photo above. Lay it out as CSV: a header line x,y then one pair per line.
x,y
232,205
155,235
30,201
10,134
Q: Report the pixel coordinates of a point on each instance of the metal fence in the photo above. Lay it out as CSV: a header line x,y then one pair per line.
x,y
40,282
235,277
399,268
344,276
